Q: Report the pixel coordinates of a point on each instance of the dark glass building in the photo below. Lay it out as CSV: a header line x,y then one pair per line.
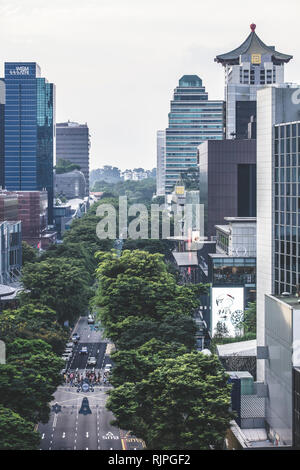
x,y
227,181
29,130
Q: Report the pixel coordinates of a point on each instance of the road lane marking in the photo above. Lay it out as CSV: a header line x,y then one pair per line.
x,y
54,421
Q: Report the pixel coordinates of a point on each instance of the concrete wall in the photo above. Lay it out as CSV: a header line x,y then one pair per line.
x,y
278,327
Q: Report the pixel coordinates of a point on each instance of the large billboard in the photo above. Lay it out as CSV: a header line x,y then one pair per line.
x,y
227,310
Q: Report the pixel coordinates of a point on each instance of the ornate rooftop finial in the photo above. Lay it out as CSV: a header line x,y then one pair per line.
x,y
252,45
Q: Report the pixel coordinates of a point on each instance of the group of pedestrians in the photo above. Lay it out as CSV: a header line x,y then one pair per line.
x,y
74,379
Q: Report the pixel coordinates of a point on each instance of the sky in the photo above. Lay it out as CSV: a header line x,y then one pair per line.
x,y
116,63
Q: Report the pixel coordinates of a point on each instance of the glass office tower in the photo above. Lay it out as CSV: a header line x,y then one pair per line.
x,y
29,130
2,108
192,120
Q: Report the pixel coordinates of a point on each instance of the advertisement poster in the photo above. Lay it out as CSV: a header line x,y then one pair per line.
x,y
227,311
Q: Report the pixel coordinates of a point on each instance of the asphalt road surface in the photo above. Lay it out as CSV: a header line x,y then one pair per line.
x,y
80,420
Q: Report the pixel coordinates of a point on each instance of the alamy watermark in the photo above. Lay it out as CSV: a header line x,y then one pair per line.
x,y
135,221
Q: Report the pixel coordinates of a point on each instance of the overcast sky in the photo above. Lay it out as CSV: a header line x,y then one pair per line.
x,y
115,63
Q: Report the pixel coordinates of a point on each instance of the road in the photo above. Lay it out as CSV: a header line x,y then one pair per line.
x,y
77,424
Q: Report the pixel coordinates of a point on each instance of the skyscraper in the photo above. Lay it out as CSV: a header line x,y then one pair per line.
x,y
161,161
2,149
73,144
248,68
29,130
192,120
278,255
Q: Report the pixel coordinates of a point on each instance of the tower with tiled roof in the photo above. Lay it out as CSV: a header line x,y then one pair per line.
x,y
249,67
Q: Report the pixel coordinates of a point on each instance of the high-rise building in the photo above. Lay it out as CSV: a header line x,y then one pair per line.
x,y
73,144
29,130
161,154
2,148
192,120
227,181
278,192
278,254
11,251
249,67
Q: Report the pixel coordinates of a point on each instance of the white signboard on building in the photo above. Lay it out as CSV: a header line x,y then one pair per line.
x,y
227,310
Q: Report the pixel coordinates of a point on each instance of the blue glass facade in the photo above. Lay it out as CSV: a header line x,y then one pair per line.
x,y
29,130
192,120
2,108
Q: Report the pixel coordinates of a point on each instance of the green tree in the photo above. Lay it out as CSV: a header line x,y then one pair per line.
x,y
139,284
60,283
29,254
134,331
33,321
190,179
134,365
249,322
84,230
183,404
77,251
163,247
29,379
65,166
16,433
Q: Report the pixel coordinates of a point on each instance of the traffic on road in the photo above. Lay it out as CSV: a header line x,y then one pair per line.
x,y
79,419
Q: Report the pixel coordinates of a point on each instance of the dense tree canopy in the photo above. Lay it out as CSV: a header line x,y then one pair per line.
x,y
135,364
183,404
138,284
65,166
29,254
29,378
60,283
163,247
15,432
33,321
135,331
136,191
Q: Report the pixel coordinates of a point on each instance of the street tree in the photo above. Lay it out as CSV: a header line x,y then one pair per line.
x,y
59,283
135,364
183,404
138,284
133,331
29,254
16,433
33,321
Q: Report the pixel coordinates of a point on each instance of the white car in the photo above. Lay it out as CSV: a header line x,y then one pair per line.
x,y
92,361
83,350
68,351
65,357
70,345
108,368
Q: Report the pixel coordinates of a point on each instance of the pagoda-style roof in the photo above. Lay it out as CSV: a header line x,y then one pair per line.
x,y
252,45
